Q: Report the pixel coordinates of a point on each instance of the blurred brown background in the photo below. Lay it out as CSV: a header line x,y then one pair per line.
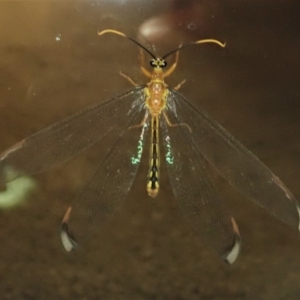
x,y
52,63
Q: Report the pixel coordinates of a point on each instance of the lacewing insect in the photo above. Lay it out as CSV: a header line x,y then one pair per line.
x,y
156,114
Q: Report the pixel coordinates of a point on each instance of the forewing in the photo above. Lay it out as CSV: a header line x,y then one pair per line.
x,y
66,138
196,195
235,163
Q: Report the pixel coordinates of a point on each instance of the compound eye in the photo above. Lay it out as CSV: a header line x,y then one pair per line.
x,y
163,64
153,63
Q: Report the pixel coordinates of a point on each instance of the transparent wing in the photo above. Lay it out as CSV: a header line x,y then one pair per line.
x,y
235,163
110,183
196,195
66,138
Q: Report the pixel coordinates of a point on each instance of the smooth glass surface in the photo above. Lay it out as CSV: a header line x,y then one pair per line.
x,y
53,63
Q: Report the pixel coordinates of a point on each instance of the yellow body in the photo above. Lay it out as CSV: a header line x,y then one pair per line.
x,y
156,95
156,99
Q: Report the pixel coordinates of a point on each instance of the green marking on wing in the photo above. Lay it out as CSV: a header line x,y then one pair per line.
x,y
169,153
136,159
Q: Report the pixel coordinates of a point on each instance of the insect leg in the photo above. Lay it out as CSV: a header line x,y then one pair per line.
x,y
140,124
175,125
173,66
179,85
128,78
142,62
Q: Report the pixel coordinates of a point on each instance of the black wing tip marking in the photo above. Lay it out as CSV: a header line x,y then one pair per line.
x,y
298,211
66,236
232,254
288,195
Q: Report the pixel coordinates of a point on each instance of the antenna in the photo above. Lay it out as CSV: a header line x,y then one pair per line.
x,y
124,35
204,41
195,43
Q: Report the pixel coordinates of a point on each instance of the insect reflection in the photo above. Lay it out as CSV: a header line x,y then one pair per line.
x,y
156,113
